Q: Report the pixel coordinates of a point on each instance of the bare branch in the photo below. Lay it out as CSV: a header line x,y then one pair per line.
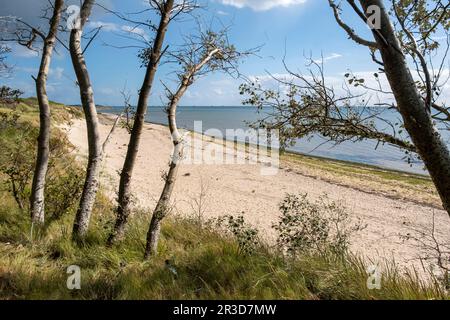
x,y
351,33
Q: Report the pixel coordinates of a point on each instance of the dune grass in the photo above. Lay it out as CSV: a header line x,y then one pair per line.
x,y
28,110
194,261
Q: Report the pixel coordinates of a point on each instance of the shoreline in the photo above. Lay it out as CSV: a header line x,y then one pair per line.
x,y
424,176
384,202
393,184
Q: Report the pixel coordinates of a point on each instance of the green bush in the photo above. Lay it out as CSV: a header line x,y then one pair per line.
x,y
319,227
245,235
17,142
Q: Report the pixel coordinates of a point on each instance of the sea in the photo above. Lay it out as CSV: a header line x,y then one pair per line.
x,y
238,117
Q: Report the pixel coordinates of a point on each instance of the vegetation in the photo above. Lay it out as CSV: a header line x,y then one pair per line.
x,y
225,258
319,227
390,183
192,264
196,261
9,95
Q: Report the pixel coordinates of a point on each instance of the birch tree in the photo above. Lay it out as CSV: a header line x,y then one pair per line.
x,y
168,10
90,188
26,35
207,53
37,199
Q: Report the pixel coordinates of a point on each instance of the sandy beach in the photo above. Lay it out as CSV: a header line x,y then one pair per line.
x,y
241,189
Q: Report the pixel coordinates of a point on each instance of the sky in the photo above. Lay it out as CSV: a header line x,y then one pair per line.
x,y
294,29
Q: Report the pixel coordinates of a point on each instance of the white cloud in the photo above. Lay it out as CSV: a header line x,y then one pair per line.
x,y
18,50
218,91
328,58
57,73
106,26
271,78
136,30
113,27
262,5
107,91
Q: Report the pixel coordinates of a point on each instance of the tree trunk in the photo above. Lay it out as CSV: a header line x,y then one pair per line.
x,y
162,207
161,210
123,209
417,119
89,193
37,199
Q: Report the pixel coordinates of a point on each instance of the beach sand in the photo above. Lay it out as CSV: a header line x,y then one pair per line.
x,y
242,190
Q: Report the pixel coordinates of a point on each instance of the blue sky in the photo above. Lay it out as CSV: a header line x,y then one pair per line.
x,y
294,28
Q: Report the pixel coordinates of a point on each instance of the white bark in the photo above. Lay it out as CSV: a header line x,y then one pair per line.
x,y
37,199
89,193
162,207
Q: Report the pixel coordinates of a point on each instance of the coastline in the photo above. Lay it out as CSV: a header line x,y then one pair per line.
x,y
384,156
241,190
298,153
391,183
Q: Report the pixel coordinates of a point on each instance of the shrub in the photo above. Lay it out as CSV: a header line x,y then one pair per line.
x,y
63,192
17,157
17,161
65,177
319,227
245,235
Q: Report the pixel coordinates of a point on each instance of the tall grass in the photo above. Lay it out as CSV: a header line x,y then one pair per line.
x,y
193,263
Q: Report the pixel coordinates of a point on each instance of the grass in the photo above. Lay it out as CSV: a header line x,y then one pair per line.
x,y
356,169
29,111
194,262
389,183
207,265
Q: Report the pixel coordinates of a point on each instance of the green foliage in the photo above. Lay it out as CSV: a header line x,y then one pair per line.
x,y
18,135
319,228
17,156
63,192
424,18
245,235
301,109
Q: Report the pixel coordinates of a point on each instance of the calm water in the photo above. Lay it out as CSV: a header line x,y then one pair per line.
x,y
223,118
